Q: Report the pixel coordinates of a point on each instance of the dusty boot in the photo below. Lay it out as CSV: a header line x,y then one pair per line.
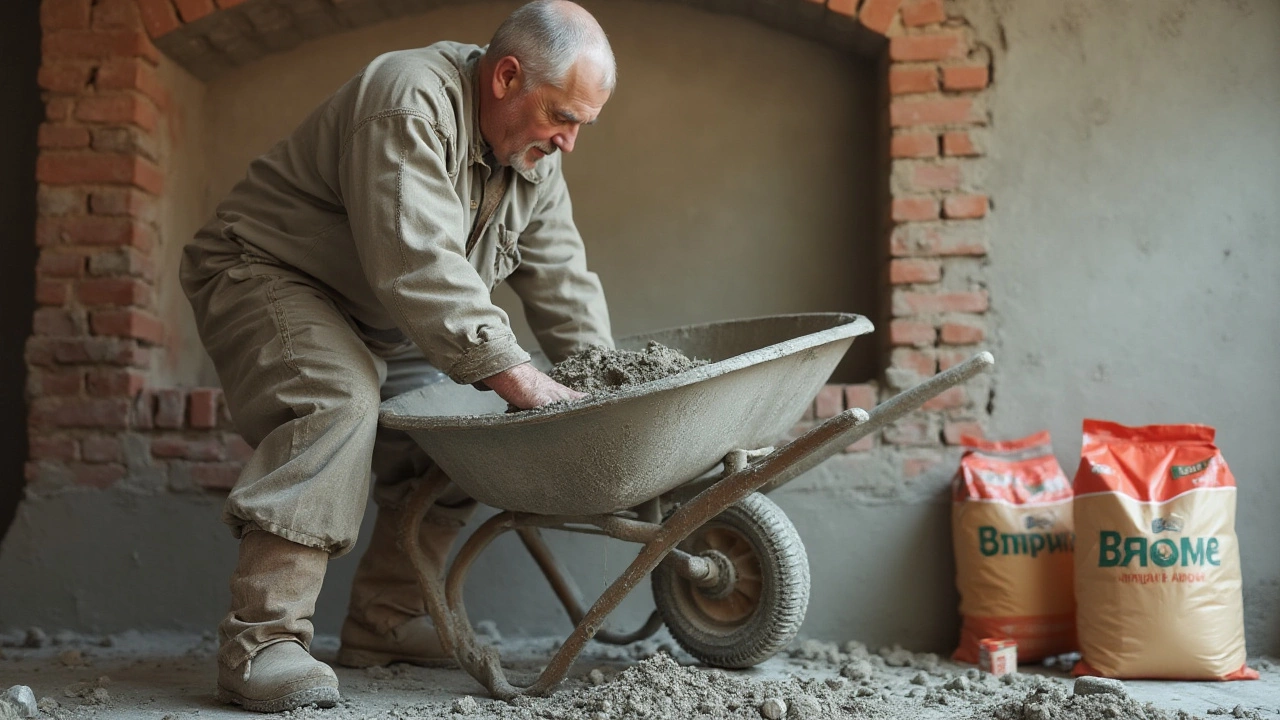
x,y
387,619
264,663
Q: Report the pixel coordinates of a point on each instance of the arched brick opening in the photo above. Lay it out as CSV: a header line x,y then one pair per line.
x,y
100,416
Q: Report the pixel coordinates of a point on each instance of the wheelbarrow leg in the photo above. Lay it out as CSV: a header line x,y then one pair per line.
x,y
567,591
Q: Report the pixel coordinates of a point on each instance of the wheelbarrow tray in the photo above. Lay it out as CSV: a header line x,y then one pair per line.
x,y
618,450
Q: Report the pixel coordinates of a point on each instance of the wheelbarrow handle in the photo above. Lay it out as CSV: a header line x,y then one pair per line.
x,y
854,424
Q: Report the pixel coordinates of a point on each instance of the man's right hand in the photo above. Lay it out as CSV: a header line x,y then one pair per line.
x,y
527,387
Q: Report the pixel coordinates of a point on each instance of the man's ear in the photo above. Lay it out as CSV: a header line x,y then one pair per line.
x,y
507,77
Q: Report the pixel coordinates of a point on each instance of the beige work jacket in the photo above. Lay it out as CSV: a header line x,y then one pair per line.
x,y
375,197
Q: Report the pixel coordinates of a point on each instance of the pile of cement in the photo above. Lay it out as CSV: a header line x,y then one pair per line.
x,y
596,370
892,683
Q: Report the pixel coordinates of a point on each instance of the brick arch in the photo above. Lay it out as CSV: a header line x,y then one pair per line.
x,y
96,415
209,36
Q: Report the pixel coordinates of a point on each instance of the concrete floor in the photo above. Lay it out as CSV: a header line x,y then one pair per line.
x,y
171,677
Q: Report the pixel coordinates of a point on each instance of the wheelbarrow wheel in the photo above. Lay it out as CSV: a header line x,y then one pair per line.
x,y
758,607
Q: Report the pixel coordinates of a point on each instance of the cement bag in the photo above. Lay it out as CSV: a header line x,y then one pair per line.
x,y
1011,531
1157,566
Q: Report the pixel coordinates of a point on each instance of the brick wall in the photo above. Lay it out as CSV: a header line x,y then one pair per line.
x,y
97,420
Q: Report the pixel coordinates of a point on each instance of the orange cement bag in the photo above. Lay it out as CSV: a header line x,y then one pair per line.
x,y
1012,535
1157,564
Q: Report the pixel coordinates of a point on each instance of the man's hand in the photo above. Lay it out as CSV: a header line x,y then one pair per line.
x,y
527,387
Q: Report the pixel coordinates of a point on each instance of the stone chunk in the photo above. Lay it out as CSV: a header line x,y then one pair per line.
x,y
21,701
1089,685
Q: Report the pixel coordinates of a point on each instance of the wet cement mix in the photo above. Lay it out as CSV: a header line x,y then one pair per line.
x,y
595,371
171,679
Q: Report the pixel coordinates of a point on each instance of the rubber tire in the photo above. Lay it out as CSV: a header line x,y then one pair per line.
x,y
784,598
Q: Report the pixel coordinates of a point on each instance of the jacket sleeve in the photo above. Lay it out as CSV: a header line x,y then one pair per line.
x,y
563,301
410,233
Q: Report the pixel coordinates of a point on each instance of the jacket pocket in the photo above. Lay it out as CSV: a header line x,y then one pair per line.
x,y
507,256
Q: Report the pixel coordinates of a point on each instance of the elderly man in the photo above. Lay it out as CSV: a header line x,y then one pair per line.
x,y
354,262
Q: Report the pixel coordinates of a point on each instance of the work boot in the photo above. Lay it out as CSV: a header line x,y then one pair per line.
x,y
387,619
264,663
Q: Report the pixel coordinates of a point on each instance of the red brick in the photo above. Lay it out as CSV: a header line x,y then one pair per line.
x,y
237,449
80,413
965,206
101,449
954,333
61,383
124,261
906,302
954,431
158,17
919,48
907,80
118,109
921,363
94,230
51,447
113,291
866,444
170,408
912,332
203,449
95,350
126,201
917,13
128,323
204,408
194,9
51,292
58,109
98,476
943,111
116,15
216,476
62,265
914,145
843,7
948,399
959,144
949,358
908,209
64,14
116,383
62,137
132,75
878,15
904,271
61,200
965,77
64,77
54,322
860,396
948,238
913,467
99,44
90,168
944,176
829,403
912,431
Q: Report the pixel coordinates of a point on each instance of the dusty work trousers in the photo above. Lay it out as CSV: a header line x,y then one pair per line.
x,y
303,384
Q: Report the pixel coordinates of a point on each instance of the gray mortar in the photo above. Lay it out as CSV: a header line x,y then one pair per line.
x,y
158,676
597,370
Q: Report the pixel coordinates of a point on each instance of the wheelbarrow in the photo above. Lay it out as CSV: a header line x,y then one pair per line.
x,y
680,466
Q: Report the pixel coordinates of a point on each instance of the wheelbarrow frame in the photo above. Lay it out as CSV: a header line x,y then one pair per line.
x,y
699,501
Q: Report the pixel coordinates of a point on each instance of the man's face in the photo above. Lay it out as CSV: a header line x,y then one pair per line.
x,y
535,123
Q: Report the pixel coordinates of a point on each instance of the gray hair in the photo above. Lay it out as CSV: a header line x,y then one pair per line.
x,y
548,37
